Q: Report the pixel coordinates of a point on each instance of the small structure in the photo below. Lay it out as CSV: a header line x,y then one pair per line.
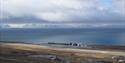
x,y
66,44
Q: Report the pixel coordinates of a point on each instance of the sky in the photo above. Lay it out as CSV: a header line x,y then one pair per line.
x,y
63,13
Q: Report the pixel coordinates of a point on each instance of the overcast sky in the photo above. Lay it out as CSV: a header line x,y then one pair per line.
x,y
63,11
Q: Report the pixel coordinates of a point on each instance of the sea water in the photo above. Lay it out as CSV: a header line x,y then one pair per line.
x,y
86,36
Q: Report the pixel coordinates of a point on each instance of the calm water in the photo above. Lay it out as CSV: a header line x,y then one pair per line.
x,y
87,36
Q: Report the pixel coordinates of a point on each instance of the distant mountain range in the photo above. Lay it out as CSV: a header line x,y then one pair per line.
x,y
61,25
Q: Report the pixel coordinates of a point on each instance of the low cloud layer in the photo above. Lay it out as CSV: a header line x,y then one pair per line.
x,y
64,10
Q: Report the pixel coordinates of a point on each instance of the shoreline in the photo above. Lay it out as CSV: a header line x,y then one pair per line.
x,y
24,50
94,47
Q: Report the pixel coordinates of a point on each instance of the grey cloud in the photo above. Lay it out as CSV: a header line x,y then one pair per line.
x,y
63,10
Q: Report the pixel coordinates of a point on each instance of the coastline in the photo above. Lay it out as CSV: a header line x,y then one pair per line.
x,y
34,49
